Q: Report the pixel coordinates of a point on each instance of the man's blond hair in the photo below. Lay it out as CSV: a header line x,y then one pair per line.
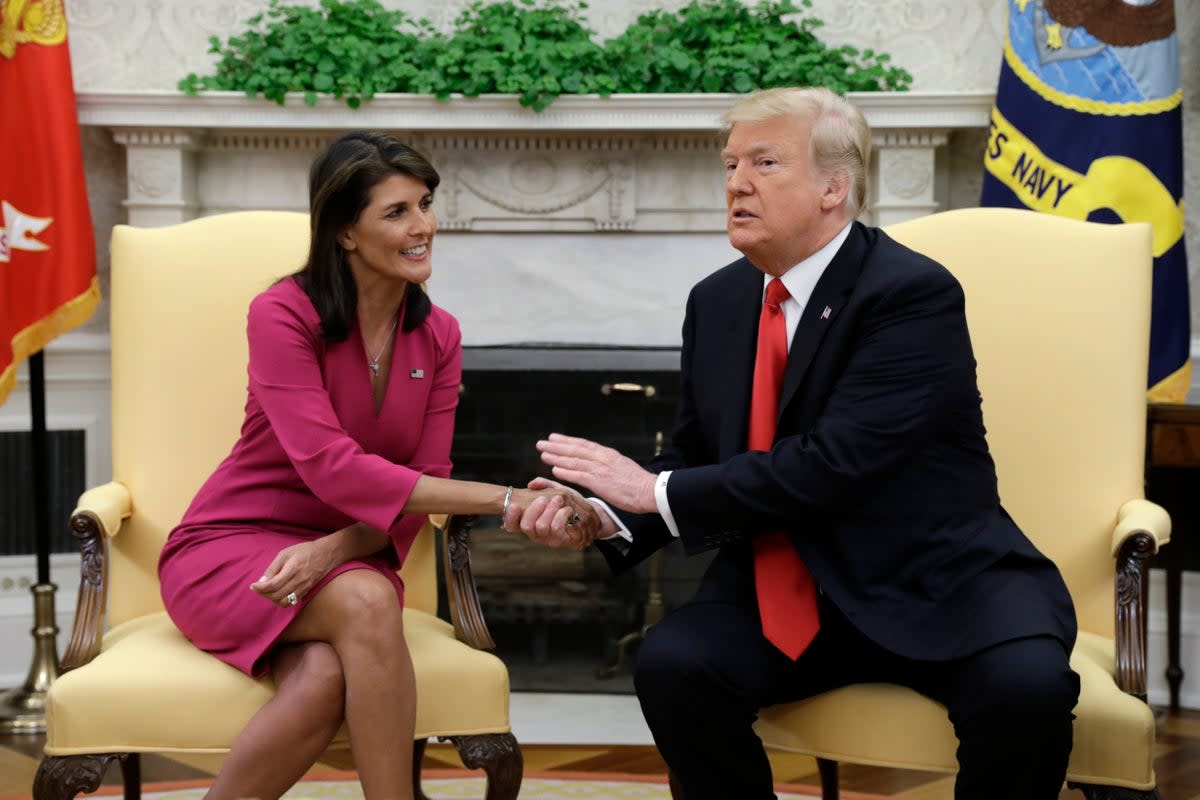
x,y
839,141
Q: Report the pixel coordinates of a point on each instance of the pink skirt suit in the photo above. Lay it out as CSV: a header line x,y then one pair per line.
x,y
313,457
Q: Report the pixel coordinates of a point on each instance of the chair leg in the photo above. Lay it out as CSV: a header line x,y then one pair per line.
x,y
1092,792
131,776
498,755
418,757
828,770
63,777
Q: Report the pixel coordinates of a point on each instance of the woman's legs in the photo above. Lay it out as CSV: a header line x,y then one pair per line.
x,y
359,614
290,732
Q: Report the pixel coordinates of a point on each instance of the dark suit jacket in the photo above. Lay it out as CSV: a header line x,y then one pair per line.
x,y
880,472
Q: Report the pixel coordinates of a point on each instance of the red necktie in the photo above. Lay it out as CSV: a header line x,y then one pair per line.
x,y
787,595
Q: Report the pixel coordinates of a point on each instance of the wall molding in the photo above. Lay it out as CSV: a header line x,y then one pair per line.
x,y
623,112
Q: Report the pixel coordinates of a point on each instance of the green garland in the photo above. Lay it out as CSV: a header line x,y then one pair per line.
x,y
536,49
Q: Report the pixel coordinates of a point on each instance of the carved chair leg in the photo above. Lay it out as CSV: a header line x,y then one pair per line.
x,y
131,776
63,777
828,771
498,755
1092,792
418,757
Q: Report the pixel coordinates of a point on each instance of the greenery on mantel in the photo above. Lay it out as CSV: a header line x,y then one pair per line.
x,y
535,49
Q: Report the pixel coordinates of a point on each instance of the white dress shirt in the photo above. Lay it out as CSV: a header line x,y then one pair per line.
x,y
800,281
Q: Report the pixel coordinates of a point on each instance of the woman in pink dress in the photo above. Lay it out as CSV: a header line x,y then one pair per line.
x,y
286,560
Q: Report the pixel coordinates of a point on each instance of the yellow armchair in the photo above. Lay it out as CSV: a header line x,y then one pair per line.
x,y
1059,313
132,683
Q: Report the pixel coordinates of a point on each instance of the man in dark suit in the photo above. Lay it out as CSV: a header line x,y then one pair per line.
x,y
849,487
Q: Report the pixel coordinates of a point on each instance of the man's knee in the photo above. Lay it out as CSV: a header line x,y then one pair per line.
x,y
684,657
1029,686
664,662
1014,707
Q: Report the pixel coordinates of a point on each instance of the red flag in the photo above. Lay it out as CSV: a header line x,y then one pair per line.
x,y
48,279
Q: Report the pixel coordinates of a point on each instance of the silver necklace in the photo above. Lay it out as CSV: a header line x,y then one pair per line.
x,y
374,362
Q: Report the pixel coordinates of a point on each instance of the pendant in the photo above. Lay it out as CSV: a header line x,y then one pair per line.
x,y
374,365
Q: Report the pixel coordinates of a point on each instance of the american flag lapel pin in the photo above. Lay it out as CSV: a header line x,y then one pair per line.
x,y
416,373
825,314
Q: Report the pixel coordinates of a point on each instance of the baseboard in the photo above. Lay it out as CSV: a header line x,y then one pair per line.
x,y
577,719
1189,641
17,575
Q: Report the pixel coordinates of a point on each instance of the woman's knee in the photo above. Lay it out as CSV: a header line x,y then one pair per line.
x,y
366,608
310,675
363,597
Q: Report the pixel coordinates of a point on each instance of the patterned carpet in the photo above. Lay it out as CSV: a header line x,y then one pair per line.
x,y
456,785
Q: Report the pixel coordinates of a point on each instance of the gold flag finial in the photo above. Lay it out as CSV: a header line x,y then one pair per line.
x,y
31,21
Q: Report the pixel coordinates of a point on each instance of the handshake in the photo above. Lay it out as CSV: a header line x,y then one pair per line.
x,y
556,515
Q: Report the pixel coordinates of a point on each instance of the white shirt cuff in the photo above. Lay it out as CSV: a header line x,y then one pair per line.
x,y
622,531
664,506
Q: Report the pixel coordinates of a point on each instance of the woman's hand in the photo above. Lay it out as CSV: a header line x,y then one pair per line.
x,y
548,527
295,570
564,516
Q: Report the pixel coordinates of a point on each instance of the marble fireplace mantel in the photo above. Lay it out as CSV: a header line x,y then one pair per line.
x,y
624,163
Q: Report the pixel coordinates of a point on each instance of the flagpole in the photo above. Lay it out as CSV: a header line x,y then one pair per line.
x,y
23,710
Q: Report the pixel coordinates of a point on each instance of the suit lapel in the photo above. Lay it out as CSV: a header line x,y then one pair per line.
x,y
741,340
828,298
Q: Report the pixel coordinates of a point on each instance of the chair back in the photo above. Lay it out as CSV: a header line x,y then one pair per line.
x,y
179,298
1059,314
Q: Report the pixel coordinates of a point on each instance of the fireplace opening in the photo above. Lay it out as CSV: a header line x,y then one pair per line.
x,y
66,452
562,621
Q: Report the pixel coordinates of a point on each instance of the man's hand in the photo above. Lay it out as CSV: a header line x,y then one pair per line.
x,y
618,480
295,570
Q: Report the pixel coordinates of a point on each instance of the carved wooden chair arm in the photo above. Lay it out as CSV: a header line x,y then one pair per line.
x,y
96,519
1141,516
465,610
1141,527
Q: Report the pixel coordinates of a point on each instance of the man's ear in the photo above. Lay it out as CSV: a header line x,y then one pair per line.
x,y
837,186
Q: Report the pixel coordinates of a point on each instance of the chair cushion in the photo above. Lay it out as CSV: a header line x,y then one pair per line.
x,y
1114,731
147,677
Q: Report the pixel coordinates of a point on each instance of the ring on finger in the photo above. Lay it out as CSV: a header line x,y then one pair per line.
x,y
292,599
572,520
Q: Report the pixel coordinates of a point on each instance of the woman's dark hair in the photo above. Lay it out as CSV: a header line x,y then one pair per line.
x,y
339,188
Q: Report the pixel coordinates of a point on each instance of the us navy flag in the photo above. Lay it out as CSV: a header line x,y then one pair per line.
x,y
1087,124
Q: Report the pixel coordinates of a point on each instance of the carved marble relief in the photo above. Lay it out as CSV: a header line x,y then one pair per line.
x,y
519,183
160,174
